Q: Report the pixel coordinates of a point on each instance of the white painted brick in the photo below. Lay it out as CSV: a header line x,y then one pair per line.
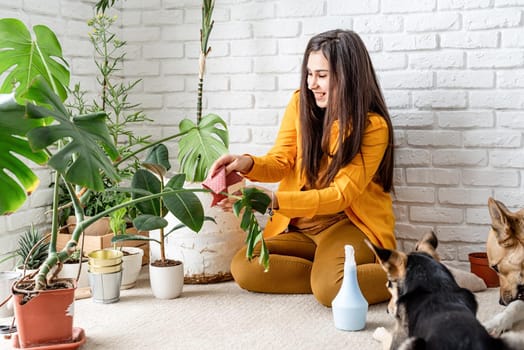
x,y
490,19
146,100
239,134
397,99
439,99
410,42
19,220
286,28
163,50
432,22
294,46
412,157
415,194
463,251
463,4
459,157
160,17
131,18
415,119
429,138
478,216
181,100
377,24
509,99
447,251
230,100
507,159
465,119
473,234
272,100
254,47
253,82
141,4
513,199
76,48
400,138
352,7
496,59
312,26
432,176
212,83
511,79
401,212
406,80
436,215
42,7
487,177
257,118
393,6
289,81
264,135
233,30
503,3
141,68
469,40
83,66
512,120
181,32
194,14
74,9
304,8
218,49
286,64
437,60
463,196
488,138
465,79
149,34
512,38
389,61
229,65
373,43
163,84
398,177
253,11
407,231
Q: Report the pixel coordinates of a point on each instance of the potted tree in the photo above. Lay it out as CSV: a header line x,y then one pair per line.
x,y
38,127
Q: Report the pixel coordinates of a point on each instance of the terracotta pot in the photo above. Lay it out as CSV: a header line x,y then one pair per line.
x,y
47,318
479,265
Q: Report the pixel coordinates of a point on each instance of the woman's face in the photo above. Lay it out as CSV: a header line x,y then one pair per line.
x,y
318,77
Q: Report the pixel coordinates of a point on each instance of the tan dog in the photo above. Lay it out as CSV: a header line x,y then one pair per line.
x,y
505,248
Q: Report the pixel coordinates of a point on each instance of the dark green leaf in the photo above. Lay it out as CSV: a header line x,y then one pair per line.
x,y
186,207
126,237
146,181
149,222
157,160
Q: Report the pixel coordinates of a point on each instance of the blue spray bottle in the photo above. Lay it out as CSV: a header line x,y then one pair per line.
x,y
349,306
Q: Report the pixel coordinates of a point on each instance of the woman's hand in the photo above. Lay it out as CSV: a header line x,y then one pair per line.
x,y
239,163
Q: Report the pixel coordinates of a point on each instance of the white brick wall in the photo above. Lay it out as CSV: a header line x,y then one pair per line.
x,y
452,72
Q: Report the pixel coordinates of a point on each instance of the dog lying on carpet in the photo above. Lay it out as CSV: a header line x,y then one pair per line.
x,y
505,248
431,310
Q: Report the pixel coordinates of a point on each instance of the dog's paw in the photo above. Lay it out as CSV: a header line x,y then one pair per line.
x,y
381,334
498,325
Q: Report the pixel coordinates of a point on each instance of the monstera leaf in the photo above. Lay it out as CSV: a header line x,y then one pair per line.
x,y
86,139
23,58
202,145
20,180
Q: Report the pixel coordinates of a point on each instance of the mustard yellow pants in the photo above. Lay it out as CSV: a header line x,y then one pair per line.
x,y
305,264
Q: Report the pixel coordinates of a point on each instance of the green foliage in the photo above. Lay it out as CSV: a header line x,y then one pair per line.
x,y
31,57
253,200
32,248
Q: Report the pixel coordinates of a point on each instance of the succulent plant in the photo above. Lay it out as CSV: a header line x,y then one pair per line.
x,y
32,248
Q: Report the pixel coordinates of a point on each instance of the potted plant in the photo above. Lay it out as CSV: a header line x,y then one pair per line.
x,y
32,251
38,127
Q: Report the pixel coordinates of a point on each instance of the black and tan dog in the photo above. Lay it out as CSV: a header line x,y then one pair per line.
x,y
431,310
505,248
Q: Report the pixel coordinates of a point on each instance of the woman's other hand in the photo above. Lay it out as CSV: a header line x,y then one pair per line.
x,y
240,163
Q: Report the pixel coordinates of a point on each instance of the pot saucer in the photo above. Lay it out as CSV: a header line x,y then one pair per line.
x,y
79,338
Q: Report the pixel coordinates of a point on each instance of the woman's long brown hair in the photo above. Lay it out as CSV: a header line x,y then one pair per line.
x,y
353,92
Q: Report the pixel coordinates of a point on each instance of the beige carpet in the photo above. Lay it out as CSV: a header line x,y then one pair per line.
x,y
223,316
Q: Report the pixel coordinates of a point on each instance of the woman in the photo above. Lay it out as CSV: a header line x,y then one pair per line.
x,y
333,157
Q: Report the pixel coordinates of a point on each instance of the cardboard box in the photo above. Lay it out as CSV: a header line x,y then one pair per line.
x,y
100,242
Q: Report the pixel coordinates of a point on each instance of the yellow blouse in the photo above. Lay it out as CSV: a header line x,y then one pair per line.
x,y
352,191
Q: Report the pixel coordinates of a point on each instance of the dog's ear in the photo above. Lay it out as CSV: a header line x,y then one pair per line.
x,y
392,261
428,244
502,223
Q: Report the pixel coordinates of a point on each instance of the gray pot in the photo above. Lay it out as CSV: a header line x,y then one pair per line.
x,y
105,287
6,280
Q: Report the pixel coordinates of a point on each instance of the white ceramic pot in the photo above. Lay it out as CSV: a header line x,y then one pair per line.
x,y
70,270
207,254
131,265
166,281
6,281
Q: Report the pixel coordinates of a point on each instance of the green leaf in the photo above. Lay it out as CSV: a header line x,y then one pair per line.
x,y
23,58
149,222
186,207
16,177
157,160
150,184
202,145
126,237
176,182
85,155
